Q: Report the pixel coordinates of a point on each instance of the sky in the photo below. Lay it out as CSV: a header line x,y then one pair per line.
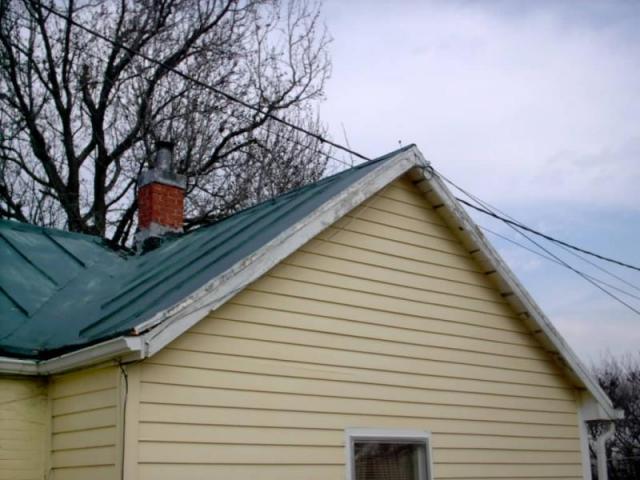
x,y
534,107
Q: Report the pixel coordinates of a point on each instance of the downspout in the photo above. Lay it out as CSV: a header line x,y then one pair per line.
x,y
601,451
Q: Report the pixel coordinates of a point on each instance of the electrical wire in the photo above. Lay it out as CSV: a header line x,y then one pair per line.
x,y
561,245
485,208
598,267
226,95
322,139
580,273
202,84
545,236
125,376
488,210
577,255
305,146
531,250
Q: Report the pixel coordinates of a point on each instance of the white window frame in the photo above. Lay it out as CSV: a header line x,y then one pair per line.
x,y
388,435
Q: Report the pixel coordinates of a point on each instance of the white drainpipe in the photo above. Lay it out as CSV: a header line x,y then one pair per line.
x,y
601,452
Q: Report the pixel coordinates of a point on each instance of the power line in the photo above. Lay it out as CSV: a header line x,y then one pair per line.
x,y
222,93
202,84
319,137
545,236
488,210
229,97
566,249
578,272
595,265
514,225
305,146
550,259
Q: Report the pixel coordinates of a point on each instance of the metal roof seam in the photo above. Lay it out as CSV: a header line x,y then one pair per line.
x,y
181,276
65,250
30,261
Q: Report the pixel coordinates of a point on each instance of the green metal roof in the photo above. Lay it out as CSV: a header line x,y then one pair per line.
x,y
61,291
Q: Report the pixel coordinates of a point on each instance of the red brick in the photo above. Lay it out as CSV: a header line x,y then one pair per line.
x,y
161,204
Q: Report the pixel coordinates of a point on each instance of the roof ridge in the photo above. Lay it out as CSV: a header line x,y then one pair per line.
x,y
24,226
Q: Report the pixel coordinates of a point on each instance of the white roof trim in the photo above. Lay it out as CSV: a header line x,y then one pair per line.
x,y
172,322
125,348
164,327
510,287
16,366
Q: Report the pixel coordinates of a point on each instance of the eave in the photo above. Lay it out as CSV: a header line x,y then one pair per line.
x,y
509,286
123,349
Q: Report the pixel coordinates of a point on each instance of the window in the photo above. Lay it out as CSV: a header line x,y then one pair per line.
x,y
382,454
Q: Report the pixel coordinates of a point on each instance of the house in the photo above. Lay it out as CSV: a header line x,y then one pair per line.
x,y
358,327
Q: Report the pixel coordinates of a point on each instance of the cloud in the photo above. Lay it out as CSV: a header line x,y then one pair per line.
x,y
610,175
599,329
519,103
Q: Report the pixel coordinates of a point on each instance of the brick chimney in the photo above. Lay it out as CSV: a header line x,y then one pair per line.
x,y
160,199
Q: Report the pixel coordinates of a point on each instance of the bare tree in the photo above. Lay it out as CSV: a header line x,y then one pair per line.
x,y
79,116
620,379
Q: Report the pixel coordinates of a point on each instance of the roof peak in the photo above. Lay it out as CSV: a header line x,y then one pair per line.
x,y
297,190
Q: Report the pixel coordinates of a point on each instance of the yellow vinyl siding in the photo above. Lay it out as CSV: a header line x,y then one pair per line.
x,y
383,320
84,409
225,471
24,428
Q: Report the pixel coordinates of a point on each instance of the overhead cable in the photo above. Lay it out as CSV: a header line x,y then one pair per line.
x,y
202,84
514,225
550,259
487,209
545,236
317,136
488,206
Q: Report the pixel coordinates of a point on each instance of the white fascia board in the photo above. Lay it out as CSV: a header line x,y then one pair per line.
x,y
171,323
124,348
591,409
511,288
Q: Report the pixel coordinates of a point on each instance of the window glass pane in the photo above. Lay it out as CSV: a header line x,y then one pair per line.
x,y
389,461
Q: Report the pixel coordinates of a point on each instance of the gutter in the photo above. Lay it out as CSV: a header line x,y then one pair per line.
x,y
123,348
601,450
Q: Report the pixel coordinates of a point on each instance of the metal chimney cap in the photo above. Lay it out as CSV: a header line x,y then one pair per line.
x,y
164,156
162,170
